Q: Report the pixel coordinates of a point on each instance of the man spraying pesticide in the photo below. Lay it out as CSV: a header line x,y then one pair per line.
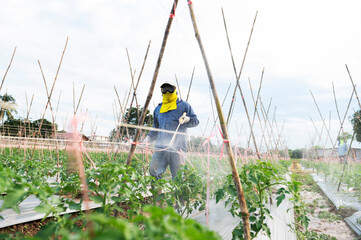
x,y
173,115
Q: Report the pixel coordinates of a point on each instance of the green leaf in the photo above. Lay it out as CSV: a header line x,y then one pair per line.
x,y
13,198
219,195
280,198
43,208
74,206
96,199
47,231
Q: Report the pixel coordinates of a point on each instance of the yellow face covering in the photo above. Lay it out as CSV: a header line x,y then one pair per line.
x,y
169,102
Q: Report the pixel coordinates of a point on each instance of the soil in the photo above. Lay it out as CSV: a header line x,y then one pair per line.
x,y
324,218
28,229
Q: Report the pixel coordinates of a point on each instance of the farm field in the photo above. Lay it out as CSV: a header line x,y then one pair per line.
x,y
131,205
232,120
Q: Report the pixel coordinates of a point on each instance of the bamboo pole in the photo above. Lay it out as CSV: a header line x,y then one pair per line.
x,y
344,117
224,99
354,132
277,132
154,80
81,96
280,134
178,91
243,61
237,82
54,126
134,97
259,118
238,185
119,117
354,86
190,84
255,103
6,72
50,94
318,134
265,117
323,120
345,163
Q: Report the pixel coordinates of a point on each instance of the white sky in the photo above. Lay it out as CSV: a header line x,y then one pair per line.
x,y
302,45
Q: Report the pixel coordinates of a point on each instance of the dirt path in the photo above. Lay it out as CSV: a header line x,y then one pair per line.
x,y
324,218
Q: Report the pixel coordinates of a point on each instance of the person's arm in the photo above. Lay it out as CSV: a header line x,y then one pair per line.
x,y
193,122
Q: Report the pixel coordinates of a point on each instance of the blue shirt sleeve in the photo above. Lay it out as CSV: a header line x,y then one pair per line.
x,y
193,117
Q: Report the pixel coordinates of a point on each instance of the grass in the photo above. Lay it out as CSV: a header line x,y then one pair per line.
x,y
329,216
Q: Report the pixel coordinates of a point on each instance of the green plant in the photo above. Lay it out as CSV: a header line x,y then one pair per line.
x,y
331,217
190,191
166,224
299,207
312,235
257,179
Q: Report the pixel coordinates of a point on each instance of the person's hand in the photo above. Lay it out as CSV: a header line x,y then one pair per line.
x,y
184,119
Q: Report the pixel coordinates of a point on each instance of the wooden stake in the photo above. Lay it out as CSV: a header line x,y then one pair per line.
x,y
238,85
255,103
2,82
238,185
190,84
259,118
323,121
154,80
354,132
50,94
176,79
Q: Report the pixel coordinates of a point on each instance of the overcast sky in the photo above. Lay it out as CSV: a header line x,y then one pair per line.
x,y
303,46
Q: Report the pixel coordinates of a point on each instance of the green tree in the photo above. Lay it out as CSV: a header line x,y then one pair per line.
x,y
122,133
7,106
297,153
356,123
21,127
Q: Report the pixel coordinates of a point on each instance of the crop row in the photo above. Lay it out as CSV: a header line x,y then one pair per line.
x,y
349,175
133,205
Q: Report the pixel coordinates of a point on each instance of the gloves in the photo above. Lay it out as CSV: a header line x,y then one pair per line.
x,y
184,119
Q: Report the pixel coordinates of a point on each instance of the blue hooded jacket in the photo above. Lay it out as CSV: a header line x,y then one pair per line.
x,y
169,121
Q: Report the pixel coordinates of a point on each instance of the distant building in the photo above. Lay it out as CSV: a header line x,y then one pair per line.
x,y
100,138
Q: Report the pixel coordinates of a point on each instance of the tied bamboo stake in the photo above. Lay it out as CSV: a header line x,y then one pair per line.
x,y
176,79
154,80
54,127
243,61
256,111
2,82
255,104
190,84
224,99
344,117
134,97
50,94
238,85
354,132
323,120
241,198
